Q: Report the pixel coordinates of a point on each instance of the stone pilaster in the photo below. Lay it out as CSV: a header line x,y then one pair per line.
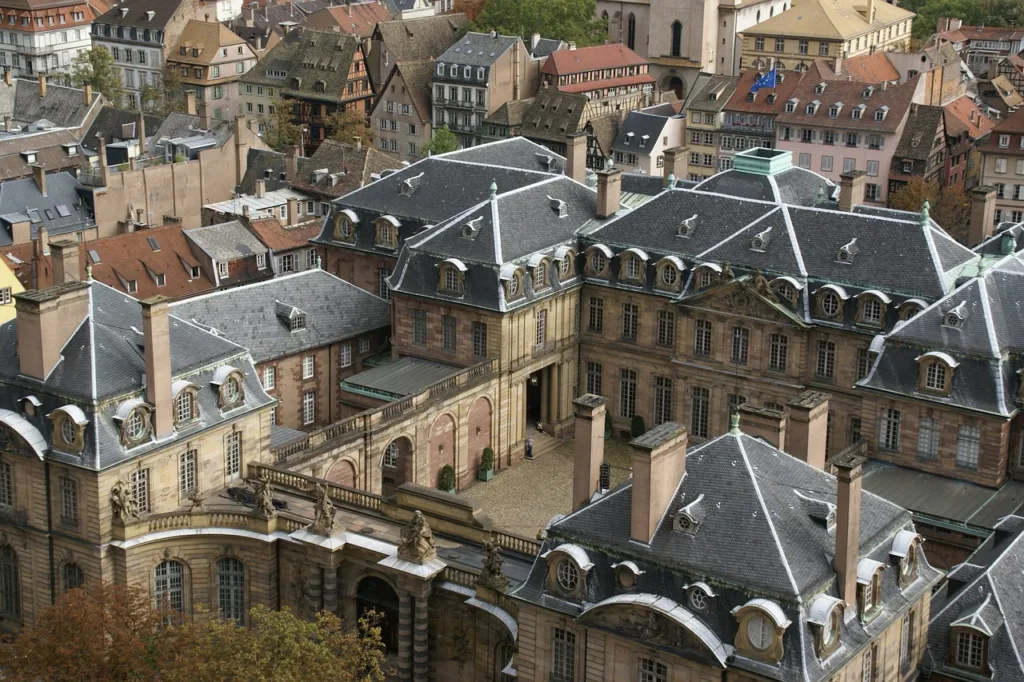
x,y
420,647
330,593
405,636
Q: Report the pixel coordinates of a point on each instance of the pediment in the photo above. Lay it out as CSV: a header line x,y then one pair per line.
x,y
745,297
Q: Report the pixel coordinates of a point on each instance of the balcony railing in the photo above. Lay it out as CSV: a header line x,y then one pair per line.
x,y
212,518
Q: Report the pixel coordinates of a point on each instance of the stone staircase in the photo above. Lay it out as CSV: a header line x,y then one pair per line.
x,y
543,443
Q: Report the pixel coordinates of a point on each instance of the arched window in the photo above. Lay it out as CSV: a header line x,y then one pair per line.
x,y
231,589
10,585
183,406
73,576
677,38
631,32
169,585
935,376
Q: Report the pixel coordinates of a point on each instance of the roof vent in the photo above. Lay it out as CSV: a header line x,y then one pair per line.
x,y
760,240
410,185
688,518
955,316
559,206
688,225
471,229
149,15
124,12
819,510
847,252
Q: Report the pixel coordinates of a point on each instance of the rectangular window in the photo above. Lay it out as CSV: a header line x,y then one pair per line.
x,y
906,635
308,367
68,500
700,404
970,649
595,322
542,327
780,44
826,164
666,328
804,160
863,363
346,355
871,192
627,393
854,430
383,290
889,430
594,383
740,345
6,486
364,344
652,671
269,378
140,489
825,367
419,327
308,408
928,439
563,655
868,670
778,354
968,442
479,340
233,454
630,321
448,340
187,474
287,263
662,400
702,338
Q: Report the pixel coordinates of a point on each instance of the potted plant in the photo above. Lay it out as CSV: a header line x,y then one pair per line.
x,y
637,428
486,472
446,480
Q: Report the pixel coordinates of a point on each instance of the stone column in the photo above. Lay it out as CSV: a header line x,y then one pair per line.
x,y
330,590
552,388
405,636
421,662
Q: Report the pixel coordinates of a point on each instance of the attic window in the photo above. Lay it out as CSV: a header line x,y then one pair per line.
x,y
751,96
153,243
687,519
791,105
881,113
955,317
194,271
868,90
771,98
559,206
819,88
812,108
472,228
298,322
760,240
30,157
833,111
847,252
858,112
629,138
643,141
688,225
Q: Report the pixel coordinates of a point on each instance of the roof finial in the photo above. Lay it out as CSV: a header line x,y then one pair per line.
x,y
494,189
734,424
88,272
318,263
670,182
924,212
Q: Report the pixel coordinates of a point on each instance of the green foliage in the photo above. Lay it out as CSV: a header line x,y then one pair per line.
x,y
344,126
95,67
972,12
446,479
166,98
487,460
949,207
281,130
443,140
637,427
568,20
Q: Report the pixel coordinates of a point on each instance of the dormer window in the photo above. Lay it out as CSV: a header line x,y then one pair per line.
x,y
559,206
858,112
69,422
387,232
819,88
760,240
911,307
565,265
626,574
687,226
452,273
688,518
847,252
597,262
935,372
567,567
811,108
751,96
230,391
772,98
632,268
540,275
867,91
298,322
440,69
668,272
872,307
513,278
472,228
134,416
881,113
762,624
955,318
833,111
706,276
699,595
825,617
970,648
791,105
869,587
905,548
344,226
186,402
830,301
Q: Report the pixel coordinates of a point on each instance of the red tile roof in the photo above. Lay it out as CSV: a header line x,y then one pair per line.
x,y
981,33
1014,124
277,237
870,68
963,115
610,56
357,18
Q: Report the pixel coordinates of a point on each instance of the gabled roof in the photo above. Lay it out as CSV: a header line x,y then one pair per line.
x,y
420,39
962,115
269,166
417,79
553,115
51,149
113,124
1013,124
225,242
833,19
722,87
307,57
356,18
347,168
785,84
60,107
611,56
869,68
279,238
209,38
61,211
143,14
510,113
639,129
919,133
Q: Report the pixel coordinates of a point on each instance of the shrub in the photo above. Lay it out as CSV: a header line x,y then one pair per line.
x,y
446,480
487,460
637,428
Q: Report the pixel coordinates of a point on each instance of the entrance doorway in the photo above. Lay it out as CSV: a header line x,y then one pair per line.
x,y
374,594
534,399
675,84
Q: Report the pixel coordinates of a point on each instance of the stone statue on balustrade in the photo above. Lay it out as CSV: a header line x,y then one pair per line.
x,y
493,574
123,501
264,493
323,512
417,541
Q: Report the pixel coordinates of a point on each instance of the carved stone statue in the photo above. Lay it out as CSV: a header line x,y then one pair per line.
x,y
727,274
761,286
123,501
197,500
264,495
323,512
493,574
417,541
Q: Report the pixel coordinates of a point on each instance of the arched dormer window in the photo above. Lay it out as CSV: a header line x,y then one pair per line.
x,y
626,574
567,569
540,267
677,38
699,595
186,402
135,418
911,307
668,274
905,550
762,623
847,251
969,642
825,617
566,259
954,317
632,265
387,232
345,226
935,372
871,307
830,300
230,385
451,277
599,258
513,277
707,274
69,424
786,288
869,588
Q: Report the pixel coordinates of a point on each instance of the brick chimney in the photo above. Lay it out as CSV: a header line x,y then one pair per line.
x,y
47,318
766,423
64,256
190,102
609,186
157,339
261,188
293,211
983,214
291,162
851,189
39,173
588,451
576,157
42,85
677,162
659,462
848,497
87,94
808,428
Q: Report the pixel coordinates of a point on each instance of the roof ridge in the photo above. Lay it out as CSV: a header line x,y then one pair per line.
x,y
736,233
253,285
796,242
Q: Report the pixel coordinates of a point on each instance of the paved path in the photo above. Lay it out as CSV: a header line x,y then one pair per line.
x,y
523,499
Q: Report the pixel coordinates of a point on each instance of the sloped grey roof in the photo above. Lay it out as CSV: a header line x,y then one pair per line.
x,y
62,106
400,377
62,196
512,152
919,131
109,124
178,125
545,46
313,56
477,49
163,12
335,310
553,115
796,186
260,161
425,38
226,241
640,124
700,99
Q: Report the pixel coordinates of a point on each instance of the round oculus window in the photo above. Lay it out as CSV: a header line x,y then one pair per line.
x,y
568,575
566,265
513,285
135,426
68,431
830,304
598,262
698,599
669,275
760,631
909,562
344,228
232,391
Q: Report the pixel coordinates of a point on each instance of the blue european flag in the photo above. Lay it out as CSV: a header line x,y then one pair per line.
x,y
765,81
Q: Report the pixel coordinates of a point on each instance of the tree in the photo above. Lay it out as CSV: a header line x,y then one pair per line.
x,y
972,12
166,97
281,131
95,67
443,140
344,126
949,207
568,20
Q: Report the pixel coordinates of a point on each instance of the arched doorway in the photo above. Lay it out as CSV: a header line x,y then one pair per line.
x,y
675,85
396,462
343,473
374,594
442,447
479,423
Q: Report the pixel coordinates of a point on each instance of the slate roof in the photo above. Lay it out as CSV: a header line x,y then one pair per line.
x,y
797,186
225,242
312,56
61,211
545,47
163,12
699,98
258,163
51,148
756,539
102,366
278,18
400,377
514,152
639,128
420,39
62,106
918,136
478,49
178,125
110,124
553,115
347,168
249,315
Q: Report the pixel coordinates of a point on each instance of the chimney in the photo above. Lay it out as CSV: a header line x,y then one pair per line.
x,y
64,256
293,211
576,157
245,210
871,11
190,102
261,188
848,496
572,44
39,173
659,462
677,162
808,428
141,130
47,318
21,231
766,423
357,142
609,183
983,214
42,243
104,167
42,85
851,189
534,40
157,339
291,162
588,451
87,94
205,120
